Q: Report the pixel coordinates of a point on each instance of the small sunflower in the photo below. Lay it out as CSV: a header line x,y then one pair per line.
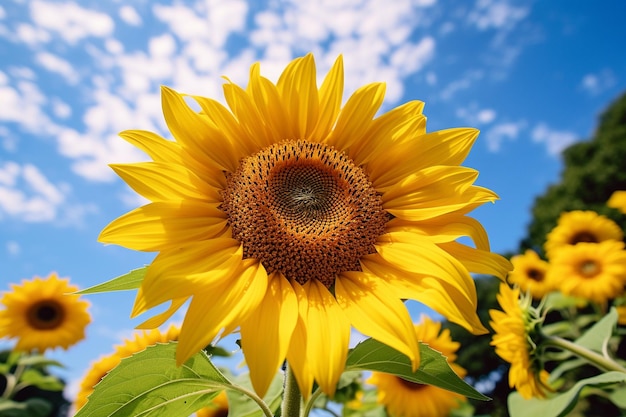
x,y
530,273
43,314
217,408
293,218
515,327
581,226
403,398
618,201
102,366
595,271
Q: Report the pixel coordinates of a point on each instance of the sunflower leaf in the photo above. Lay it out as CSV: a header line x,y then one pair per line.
x,y
559,405
129,281
149,384
32,407
599,333
38,361
372,355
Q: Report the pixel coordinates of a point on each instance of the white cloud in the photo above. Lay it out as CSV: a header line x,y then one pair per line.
x,y
56,64
500,132
31,35
129,15
473,115
13,248
466,81
70,21
61,109
496,14
3,14
599,82
554,140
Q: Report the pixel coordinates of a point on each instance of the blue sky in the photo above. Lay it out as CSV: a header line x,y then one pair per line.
x,y
532,75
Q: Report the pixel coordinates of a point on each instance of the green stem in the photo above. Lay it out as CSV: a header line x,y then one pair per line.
x,y
264,407
311,402
590,356
292,397
12,384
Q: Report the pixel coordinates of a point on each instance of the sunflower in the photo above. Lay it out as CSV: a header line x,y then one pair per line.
x,y
43,314
529,272
292,218
218,407
595,271
102,366
581,226
618,201
403,398
515,327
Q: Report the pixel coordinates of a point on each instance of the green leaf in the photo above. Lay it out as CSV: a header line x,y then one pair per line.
x,y
599,333
150,384
130,281
372,355
33,377
561,404
241,405
33,407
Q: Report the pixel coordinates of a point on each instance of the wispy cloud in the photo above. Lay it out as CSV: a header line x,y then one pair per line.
x,y
501,132
599,82
554,140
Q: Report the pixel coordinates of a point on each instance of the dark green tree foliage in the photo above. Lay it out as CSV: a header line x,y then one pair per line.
x,y
593,170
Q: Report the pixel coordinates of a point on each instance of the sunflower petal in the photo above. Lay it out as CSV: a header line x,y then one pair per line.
x,y
330,96
209,313
165,224
297,352
269,104
266,334
249,116
444,147
376,311
356,116
159,319
158,181
155,146
477,260
328,331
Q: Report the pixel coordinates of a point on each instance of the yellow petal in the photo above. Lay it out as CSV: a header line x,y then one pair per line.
x,y
330,96
163,225
477,260
297,352
159,319
397,125
158,181
444,147
211,312
412,253
375,310
197,133
266,334
188,270
442,297
356,116
156,147
328,336
298,88
269,104
618,201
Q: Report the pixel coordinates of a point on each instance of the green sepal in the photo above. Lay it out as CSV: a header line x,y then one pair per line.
x,y
372,355
126,282
150,384
559,405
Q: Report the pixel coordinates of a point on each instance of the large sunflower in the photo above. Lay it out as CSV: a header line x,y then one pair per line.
x,y
581,226
530,273
42,314
595,271
293,218
403,398
515,328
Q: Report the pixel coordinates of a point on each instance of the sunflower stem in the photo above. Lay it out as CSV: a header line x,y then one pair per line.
x,y
264,407
292,397
602,362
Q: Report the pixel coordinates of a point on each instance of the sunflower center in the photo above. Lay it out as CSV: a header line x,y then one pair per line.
x,y
589,268
535,274
45,315
304,209
583,237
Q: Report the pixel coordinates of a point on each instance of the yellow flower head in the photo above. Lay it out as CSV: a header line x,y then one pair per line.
x,y
293,218
514,328
595,271
43,314
530,274
618,201
403,398
106,363
581,226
